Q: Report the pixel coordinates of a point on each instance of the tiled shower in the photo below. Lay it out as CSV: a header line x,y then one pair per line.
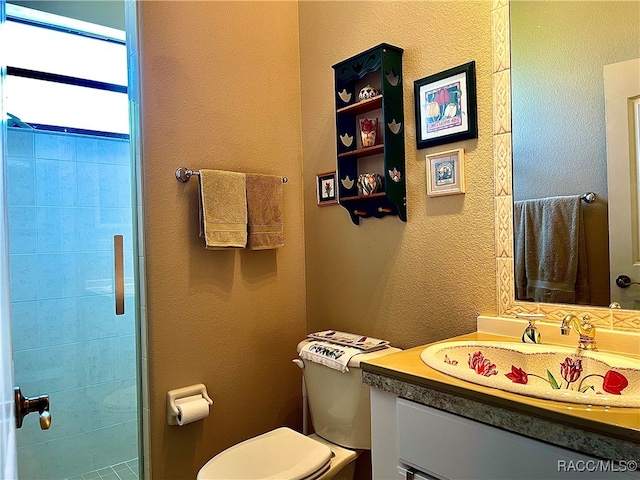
x,y
67,196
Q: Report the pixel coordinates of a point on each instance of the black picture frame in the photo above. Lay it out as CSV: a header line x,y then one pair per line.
x,y
446,106
327,188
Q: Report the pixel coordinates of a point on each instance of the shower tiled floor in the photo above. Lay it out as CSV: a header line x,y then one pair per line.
x,y
122,471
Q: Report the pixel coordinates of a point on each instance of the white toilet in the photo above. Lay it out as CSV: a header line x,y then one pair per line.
x,y
341,416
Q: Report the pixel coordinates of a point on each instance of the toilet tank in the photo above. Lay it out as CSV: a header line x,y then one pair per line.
x,y
339,403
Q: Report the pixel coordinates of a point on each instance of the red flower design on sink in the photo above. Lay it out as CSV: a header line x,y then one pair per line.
x,y
517,375
482,365
571,369
614,382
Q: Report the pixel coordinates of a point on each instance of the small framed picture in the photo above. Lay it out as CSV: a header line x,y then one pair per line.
x,y
445,173
446,107
326,188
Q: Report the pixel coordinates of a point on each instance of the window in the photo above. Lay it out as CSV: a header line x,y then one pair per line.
x,y
66,75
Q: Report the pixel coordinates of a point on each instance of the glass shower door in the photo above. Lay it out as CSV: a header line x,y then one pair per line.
x,y
68,196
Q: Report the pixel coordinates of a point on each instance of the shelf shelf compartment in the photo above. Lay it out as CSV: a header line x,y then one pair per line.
x,y
363,152
362,106
363,197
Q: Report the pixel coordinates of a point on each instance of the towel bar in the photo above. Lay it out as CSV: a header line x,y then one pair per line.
x,y
183,175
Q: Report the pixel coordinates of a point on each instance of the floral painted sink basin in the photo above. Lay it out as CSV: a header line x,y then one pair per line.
x,y
544,371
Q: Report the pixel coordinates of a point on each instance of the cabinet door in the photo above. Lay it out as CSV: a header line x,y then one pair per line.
x,y
384,436
444,445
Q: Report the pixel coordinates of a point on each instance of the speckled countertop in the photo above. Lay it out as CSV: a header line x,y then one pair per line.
x,y
605,432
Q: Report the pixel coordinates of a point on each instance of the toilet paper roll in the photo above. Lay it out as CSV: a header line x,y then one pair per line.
x,y
191,409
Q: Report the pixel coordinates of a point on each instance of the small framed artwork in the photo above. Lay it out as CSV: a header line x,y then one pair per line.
x,y
326,188
445,173
446,106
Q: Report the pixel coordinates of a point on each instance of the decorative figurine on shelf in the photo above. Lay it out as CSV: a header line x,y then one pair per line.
x,y
368,130
368,92
369,183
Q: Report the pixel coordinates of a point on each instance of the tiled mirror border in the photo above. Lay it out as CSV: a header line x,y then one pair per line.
x,y
612,319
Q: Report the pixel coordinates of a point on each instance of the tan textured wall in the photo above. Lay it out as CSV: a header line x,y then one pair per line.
x,y
429,278
220,89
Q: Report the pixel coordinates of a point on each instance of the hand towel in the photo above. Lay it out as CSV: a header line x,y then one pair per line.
x,y
264,209
329,354
223,209
555,257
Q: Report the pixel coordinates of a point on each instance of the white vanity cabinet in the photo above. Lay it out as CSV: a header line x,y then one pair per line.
x,y
410,440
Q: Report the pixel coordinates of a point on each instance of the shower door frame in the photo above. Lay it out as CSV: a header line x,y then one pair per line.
x,y
137,237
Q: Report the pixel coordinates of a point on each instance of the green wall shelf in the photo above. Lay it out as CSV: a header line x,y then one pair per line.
x,y
379,67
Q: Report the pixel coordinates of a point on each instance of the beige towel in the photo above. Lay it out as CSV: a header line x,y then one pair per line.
x,y
550,250
223,209
264,208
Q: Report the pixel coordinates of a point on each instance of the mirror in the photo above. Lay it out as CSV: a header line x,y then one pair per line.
x,y
608,318
559,142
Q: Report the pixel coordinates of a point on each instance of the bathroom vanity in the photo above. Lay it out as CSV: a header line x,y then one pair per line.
x,y
426,424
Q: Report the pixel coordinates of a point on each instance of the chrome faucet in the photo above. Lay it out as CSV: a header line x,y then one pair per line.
x,y
586,331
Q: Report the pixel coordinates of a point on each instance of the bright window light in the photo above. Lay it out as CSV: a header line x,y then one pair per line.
x,y
50,103
76,54
45,50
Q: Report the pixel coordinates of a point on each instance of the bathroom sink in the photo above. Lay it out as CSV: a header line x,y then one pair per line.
x,y
549,372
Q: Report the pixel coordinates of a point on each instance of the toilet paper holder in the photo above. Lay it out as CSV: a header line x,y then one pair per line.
x,y
184,393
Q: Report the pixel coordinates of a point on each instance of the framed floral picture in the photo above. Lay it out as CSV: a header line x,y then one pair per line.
x,y
445,173
446,106
326,188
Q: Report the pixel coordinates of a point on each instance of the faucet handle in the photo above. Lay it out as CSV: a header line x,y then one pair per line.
x,y
531,317
531,334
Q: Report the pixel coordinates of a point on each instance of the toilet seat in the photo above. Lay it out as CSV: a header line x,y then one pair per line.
x,y
279,454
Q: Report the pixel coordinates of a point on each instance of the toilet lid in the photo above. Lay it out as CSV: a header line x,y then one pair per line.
x,y
282,453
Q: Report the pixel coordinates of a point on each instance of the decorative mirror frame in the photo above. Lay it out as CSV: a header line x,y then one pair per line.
x,y
612,319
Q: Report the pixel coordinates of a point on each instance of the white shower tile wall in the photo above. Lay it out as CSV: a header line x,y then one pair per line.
x,y
68,195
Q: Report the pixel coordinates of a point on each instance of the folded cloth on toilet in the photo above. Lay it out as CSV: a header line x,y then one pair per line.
x,y
360,342
329,354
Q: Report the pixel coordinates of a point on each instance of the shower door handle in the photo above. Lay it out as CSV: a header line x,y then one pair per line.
x,y
118,255
27,405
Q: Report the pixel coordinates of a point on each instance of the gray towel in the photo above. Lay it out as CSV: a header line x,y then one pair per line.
x,y
550,250
519,232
